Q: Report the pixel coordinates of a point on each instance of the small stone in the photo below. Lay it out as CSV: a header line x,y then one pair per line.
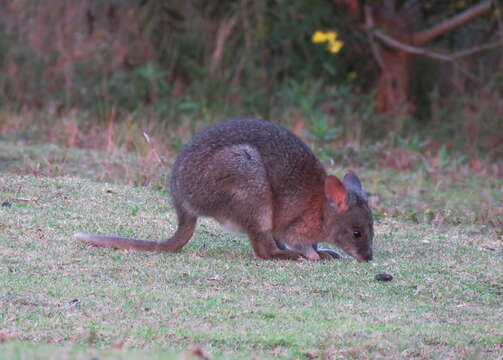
x,y
383,277
6,203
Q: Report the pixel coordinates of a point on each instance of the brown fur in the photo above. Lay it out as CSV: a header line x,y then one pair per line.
x,y
260,179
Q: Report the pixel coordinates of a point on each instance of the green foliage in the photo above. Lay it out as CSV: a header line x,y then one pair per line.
x,y
128,54
412,143
134,210
132,90
203,61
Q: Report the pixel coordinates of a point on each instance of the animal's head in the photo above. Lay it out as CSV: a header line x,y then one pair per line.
x,y
348,221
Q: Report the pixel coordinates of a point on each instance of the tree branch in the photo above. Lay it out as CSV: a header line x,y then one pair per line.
x,y
369,24
398,45
426,36
476,49
388,40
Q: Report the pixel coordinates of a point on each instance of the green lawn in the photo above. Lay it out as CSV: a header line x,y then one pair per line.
x,y
64,300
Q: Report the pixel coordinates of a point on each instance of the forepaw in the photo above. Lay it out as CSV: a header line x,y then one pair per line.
x,y
328,254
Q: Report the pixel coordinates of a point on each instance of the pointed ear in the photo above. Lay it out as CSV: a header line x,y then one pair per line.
x,y
336,193
353,183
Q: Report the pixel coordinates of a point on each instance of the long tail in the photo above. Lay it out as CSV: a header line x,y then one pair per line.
x,y
119,242
186,226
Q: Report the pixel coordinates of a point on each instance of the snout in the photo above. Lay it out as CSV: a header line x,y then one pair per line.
x,y
365,257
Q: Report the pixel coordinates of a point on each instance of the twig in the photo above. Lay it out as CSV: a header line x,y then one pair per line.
x,y
153,149
223,33
369,24
445,26
36,201
476,49
388,40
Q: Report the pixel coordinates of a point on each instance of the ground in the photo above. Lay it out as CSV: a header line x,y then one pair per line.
x,y
440,240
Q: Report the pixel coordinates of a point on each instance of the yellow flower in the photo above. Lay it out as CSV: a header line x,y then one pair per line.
x,y
352,75
330,37
319,37
335,46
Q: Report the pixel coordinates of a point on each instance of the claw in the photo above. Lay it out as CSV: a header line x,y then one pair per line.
x,y
333,254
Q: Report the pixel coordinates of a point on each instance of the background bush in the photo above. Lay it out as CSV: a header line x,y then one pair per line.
x,y
206,60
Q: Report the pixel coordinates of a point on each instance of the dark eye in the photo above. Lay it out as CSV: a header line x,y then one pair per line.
x,y
357,234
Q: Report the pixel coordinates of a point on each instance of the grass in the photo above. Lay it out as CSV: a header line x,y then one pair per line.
x,y
64,300
117,166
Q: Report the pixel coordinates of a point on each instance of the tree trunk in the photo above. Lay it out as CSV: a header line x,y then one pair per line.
x,y
394,58
393,82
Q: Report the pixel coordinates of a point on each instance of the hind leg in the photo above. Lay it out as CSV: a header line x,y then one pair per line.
x,y
253,215
265,247
250,205
233,188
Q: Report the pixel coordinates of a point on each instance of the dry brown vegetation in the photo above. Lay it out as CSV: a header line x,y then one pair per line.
x,y
167,65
